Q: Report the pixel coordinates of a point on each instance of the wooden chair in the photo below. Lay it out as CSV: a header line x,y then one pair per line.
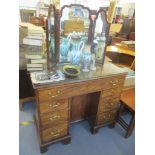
x,y
127,101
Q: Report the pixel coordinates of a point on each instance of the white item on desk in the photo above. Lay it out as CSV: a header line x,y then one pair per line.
x,y
93,67
44,77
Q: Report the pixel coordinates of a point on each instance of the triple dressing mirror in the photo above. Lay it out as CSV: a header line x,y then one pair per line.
x,y
75,34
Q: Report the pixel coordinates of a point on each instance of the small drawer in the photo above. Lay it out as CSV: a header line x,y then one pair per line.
x,y
54,132
107,83
115,83
106,117
107,104
54,118
51,106
114,92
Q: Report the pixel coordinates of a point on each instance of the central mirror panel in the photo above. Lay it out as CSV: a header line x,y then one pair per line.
x,y
74,32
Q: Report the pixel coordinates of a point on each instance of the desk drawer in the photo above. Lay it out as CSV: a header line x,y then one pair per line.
x,y
65,91
51,106
54,132
107,104
106,117
80,88
115,92
54,118
107,83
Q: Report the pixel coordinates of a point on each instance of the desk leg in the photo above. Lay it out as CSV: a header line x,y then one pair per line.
x,y
67,141
43,149
94,130
131,126
112,125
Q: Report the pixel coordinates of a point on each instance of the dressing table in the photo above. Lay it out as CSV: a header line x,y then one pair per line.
x,y
92,95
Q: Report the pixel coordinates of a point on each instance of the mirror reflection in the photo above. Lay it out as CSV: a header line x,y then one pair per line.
x,y
51,36
74,29
101,32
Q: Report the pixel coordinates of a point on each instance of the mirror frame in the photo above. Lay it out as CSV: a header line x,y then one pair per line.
x,y
51,7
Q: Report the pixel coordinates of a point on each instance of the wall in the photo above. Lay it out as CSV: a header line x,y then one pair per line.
x,y
29,4
89,3
128,9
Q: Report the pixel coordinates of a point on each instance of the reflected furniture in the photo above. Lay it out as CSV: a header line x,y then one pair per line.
x,y
128,101
26,92
120,55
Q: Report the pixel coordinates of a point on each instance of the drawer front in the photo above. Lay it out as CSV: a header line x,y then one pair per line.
x,y
54,118
106,83
65,91
107,104
79,88
115,92
54,133
106,117
115,83
52,106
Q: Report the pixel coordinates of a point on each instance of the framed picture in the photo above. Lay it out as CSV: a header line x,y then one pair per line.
x,y
25,14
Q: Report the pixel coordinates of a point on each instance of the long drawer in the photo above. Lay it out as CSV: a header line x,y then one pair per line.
x,y
107,104
79,88
54,118
57,92
52,106
54,132
106,117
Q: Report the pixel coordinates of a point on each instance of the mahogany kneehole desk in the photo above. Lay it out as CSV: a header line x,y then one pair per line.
x,y
56,105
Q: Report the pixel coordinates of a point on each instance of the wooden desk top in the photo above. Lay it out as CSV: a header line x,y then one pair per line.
x,y
117,49
128,98
107,70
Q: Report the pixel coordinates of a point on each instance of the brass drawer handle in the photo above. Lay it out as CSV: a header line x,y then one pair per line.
x,y
112,104
54,105
54,117
55,134
50,94
114,82
109,104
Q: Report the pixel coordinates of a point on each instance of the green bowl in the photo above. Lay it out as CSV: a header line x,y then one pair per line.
x,y
71,70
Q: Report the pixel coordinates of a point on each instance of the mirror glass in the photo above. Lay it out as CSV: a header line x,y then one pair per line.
x,y
51,37
100,35
74,29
